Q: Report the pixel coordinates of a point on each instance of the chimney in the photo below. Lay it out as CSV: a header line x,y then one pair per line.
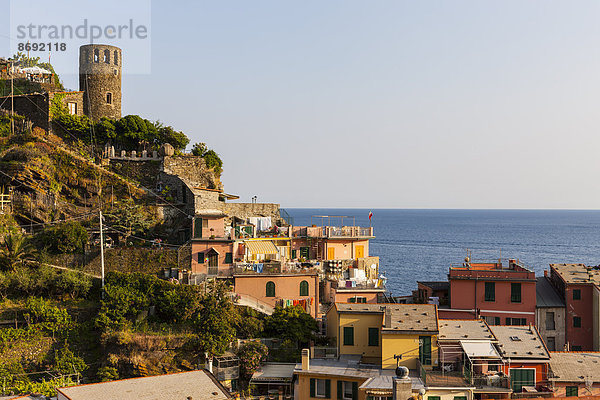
x,y
546,273
209,365
402,388
305,359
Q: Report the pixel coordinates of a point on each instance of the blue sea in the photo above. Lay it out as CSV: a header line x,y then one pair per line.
x,y
421,245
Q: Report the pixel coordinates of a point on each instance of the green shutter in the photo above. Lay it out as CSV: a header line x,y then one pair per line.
x,y
572,391
515,292
293,254
577,322
228,258
304,252
490,291
200,258
521,377
198,227
348,336
340,390
327,388
312,387
460,397
303,288
354,390
425,350
433,397
352,300
248,230
373,337
496,320
270,289
576,294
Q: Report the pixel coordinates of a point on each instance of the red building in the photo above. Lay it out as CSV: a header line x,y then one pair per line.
x,y
501,294
578,285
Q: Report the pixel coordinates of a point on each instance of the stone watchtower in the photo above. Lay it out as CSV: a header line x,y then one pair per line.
x,y
100,80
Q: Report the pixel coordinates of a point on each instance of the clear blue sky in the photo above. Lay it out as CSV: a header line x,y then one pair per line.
x,y
396,104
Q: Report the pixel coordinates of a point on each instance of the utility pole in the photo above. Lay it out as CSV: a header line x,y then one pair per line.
x,y
12,100
101,253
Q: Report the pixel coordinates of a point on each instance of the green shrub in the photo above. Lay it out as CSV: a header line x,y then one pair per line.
x,y
66,237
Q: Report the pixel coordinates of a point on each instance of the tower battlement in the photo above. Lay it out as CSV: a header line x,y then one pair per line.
x,y
100,80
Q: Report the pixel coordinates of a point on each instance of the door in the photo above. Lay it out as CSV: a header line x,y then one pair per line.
x,y
330,253
360,251
520,377
213,263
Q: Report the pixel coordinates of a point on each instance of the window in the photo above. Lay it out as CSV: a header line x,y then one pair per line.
x,y
357,299
576,294
551,343
490,291
577,322
550,321
425,350
304,252
228,258
294,254
496,320
320,388
433,397
373,337
116,57
572,391
576,348
200,258
96,55
348,336
515,292
460,397
270,289
303,288
107,56
347,390
72,108
198,227
108,98
520,377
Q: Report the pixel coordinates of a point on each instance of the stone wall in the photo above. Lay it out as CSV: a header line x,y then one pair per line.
x,y
192,170
245,210
34,107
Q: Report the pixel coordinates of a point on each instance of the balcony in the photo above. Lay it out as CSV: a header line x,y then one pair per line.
x,y
332,231
491,382
439,378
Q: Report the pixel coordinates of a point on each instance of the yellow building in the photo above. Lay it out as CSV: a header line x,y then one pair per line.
x,y
386,334
347,378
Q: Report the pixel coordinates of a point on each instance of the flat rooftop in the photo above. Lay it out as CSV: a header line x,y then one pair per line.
x,y
198,385
578,273
411,318
464,329
520,342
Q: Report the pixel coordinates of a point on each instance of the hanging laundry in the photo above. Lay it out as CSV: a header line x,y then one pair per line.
x,y
259,268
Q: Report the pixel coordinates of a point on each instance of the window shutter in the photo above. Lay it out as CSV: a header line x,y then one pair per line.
x,y
354,390
228,258
200,258
294,254
312,387
340,390
328,388
348,336
198,228
373,337
303,288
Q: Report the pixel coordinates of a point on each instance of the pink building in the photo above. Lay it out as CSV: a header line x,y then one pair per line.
x,y
272,290
501,294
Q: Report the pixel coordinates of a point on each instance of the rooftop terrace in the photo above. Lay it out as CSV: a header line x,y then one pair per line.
x,y
578,273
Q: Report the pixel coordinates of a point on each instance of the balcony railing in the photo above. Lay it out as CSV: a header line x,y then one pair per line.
x,y
325,352
332,231
439,378
494,381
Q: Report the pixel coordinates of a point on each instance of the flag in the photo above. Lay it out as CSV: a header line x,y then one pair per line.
x,y
370,215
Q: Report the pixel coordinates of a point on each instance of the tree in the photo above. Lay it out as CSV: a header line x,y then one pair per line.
x,y
291,323
129,218
251,354
14,252
68,363
66,237
215,322
213,161
199,149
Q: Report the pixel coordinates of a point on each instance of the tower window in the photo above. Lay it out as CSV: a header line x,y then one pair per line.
x,y
96,55
107,56
109,98
72,108
116,57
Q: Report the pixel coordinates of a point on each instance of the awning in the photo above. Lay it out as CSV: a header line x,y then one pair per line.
x,y
479,349
261,247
